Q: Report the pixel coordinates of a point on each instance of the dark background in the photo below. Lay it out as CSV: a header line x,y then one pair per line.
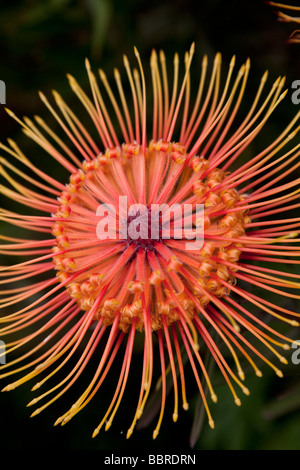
x,y
39,43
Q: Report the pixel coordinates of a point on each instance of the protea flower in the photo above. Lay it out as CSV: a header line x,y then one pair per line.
x,y
72,287
289,18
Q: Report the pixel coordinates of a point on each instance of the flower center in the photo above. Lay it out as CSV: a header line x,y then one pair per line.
x,y
144,228
127,256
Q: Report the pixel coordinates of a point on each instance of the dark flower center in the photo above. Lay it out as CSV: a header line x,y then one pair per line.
x,y
144,228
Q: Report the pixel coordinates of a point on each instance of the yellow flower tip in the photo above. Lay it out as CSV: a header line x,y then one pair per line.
x,y
155,434
42,97
117,74
282,82
107,425
276,83
265,76
72,81
162,56
294,323
279,373
102,74
66,419
241,375
237,327
136,74
176,59
246,391
286,347
196,347
175,417
57,97
218,58
214,397
36,386
185,406
36,412
125,60
211,423
95,433
232,62
38,118
129,433
283,360
237,401
58,421
8,388
136,52
282,96
259,373
32,402
70,77
27,121
205,61
293,235
242,70
192,49
139,413
153,58
9,112
87,64
10,141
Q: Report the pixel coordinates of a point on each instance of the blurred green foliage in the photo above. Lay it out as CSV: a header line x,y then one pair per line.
x,y
42,41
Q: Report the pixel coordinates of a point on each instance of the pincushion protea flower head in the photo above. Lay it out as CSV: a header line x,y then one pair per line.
x,y
172,297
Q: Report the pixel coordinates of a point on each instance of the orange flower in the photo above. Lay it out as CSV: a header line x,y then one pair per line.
x,y
82,286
